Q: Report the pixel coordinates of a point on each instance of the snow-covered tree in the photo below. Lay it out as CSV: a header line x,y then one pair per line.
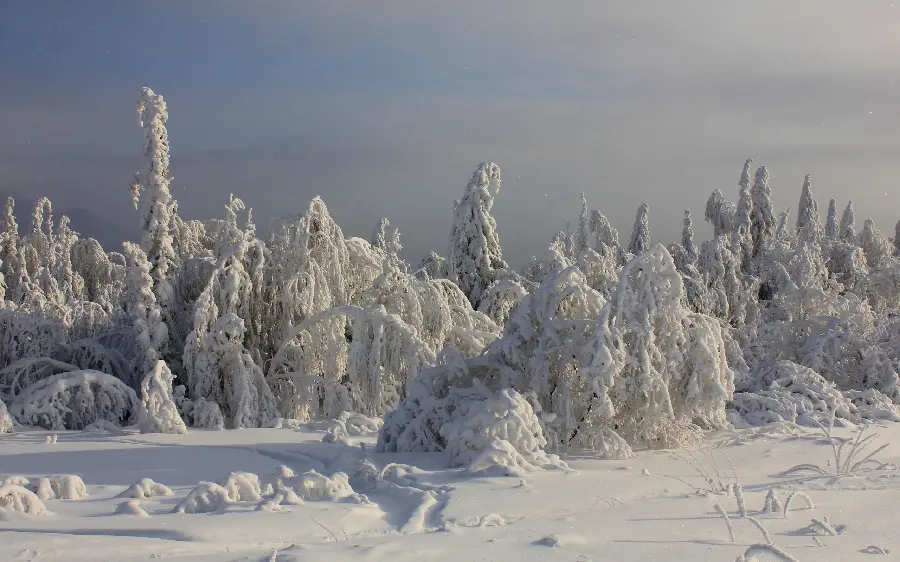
x,y
582,237
875,245
9,242
157,239
847,230
158,412
475,255
150,331
831,225
640,235
717,214
762,220
687,237
897,240
808,228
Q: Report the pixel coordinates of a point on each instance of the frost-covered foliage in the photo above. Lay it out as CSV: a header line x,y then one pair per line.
x,y
74,400
612,347
158,413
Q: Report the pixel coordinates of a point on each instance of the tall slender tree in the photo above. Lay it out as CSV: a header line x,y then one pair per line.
x,y
640,235
831,225
848,224
157,239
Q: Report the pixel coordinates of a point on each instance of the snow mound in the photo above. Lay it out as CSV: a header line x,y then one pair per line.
x,y
103,427
75,400
6,422
480,429
351,424
283,423
158,412
131,507
146,488
206,497
21,500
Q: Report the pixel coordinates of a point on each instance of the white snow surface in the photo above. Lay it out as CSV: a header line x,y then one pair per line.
x,y
286,496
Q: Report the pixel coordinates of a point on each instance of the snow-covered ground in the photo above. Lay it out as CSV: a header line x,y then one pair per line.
x,y
640,509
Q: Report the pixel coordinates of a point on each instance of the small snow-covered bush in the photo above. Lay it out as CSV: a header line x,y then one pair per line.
x,y
476,426
102,427
158,413
59,487
21,500
500,431
15,481
206,497
351,424
793,393
146,488
313,486
75,400
68,487
43,488
131,507
6,422
243,487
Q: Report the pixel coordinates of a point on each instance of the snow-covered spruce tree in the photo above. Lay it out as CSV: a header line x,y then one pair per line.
x,y
582,237
38,243
475,258
158,412
808,228
742,237
687,237
380,235
782,232
150,331
157,239
640,235
897,240
875,245
847,231
432,266
9,245
831,225
762,219
607,236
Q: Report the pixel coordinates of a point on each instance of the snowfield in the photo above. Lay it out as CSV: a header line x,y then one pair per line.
x,y
410,506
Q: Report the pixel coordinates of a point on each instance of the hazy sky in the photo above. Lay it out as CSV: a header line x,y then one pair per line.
x,y
385,108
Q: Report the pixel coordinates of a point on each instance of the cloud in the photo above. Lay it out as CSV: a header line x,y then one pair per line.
x,y
385,109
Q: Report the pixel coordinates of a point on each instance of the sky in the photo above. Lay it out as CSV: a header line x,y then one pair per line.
x,y
385,108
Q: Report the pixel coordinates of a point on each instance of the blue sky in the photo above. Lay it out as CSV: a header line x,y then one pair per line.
x,y
384,108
